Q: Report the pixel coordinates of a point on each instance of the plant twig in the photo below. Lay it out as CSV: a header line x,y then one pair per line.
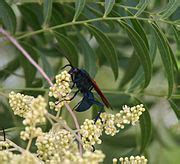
x,y
31,60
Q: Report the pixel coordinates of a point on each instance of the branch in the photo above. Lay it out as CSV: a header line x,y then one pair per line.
x,y
31,60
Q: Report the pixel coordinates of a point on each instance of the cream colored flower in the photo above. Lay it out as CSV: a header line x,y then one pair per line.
x,y
60,90
5,157
54,145
20,103
37,112
25,158
90,132
132,159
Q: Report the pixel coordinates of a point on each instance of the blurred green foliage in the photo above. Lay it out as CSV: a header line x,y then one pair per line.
x,y
131,48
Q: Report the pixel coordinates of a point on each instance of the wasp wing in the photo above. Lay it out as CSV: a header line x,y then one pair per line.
x,y
103,98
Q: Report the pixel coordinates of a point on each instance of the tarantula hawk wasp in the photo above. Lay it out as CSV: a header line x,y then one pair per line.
x,y
85,84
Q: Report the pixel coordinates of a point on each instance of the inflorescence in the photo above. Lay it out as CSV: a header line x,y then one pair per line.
x,y
131,160
60,145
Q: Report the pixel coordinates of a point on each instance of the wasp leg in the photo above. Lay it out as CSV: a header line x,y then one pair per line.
x,y
74,108
69,99
66,66
4,134
93,148
98,116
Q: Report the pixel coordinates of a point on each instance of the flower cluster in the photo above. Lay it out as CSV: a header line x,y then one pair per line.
x,y
25,157
61,144
128,115
20,103
5,145
34,116
60,90
50,143
6,156
132,159
91,131
32,109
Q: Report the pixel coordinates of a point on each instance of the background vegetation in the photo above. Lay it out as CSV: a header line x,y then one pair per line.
x,y
131,48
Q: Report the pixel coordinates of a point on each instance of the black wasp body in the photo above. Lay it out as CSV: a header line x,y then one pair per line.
x,y
84,83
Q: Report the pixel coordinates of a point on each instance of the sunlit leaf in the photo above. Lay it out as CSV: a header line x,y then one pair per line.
x,y
171,7
47,10
7,16
79,6
139,29
165,56
141,6
106,47
108,6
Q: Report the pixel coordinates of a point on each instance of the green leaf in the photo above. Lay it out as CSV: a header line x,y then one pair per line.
x,y
146,129
139,29
171,7
131,70
79,6
175,108
29,16
165,56
7,16
89,56
139,77
29,69
56,19
9,68
47,10
108,6
141,51
106,47
46,66
141,6
173,58
68,48
177,35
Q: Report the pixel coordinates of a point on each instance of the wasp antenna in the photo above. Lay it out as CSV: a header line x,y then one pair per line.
x,y
4,134
70,65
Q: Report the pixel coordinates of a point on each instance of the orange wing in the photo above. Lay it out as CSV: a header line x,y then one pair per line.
x,y
103,98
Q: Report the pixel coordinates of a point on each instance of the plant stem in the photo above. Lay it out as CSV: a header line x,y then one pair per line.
x,y
92,20
29,144
26,54
31,60
18,148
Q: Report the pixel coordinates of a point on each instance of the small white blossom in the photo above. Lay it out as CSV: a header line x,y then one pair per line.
x,y
37,112
132,159
49,144
90,132
60,90
5,145
25,158
108,121
5,157
30,132
20,103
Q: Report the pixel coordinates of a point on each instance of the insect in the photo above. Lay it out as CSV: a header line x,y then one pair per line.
x,y
85,84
